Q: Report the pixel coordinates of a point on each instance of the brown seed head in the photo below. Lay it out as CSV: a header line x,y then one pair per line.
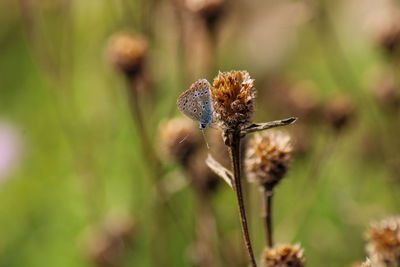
x,y
384,242
126,52
267,157
179,139
339,111
283,256
233,96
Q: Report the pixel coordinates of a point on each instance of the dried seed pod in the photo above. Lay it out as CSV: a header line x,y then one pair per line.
x,y
384,242
268,156
233,96
283,256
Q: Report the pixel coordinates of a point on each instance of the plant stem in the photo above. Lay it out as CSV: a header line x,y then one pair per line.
x,y
234,149
266,213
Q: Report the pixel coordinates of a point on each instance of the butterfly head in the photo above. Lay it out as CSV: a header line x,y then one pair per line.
x,y
202,126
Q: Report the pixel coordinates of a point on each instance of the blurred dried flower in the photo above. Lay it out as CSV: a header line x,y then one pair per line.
x,y
127,52
179,139
233,96
388,33
106,244
384,242
338,111
283,256
386,89
267,157
209,10
302,100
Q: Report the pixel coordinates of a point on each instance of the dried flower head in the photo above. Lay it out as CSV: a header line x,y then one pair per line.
x,y
384,242
233,96
339,111
127,52
268,156
283,256
179,139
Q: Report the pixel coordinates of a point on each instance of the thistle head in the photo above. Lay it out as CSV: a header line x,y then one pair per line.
x,y
233,96
283,256
268,156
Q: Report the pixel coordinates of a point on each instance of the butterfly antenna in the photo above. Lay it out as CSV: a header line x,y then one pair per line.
x,y
184,138
205,139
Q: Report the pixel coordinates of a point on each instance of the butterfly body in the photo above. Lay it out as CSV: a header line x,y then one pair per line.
x,y
196,103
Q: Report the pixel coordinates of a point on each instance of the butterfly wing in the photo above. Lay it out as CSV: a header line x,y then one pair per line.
x,y
195,102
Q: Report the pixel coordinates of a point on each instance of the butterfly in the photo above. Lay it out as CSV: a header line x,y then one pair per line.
x,y
195,103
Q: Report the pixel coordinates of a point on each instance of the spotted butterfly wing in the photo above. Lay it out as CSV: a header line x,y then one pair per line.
x,y
196,103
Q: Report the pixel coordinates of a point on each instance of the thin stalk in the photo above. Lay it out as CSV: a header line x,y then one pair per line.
x,y
266,213
234,150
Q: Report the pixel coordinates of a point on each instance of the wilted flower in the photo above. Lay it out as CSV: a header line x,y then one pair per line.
x,y
384,243
233,96
179,139
283,256
268,156
127,52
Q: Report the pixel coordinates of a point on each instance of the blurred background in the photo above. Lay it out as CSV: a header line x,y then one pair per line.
x,y
91,173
